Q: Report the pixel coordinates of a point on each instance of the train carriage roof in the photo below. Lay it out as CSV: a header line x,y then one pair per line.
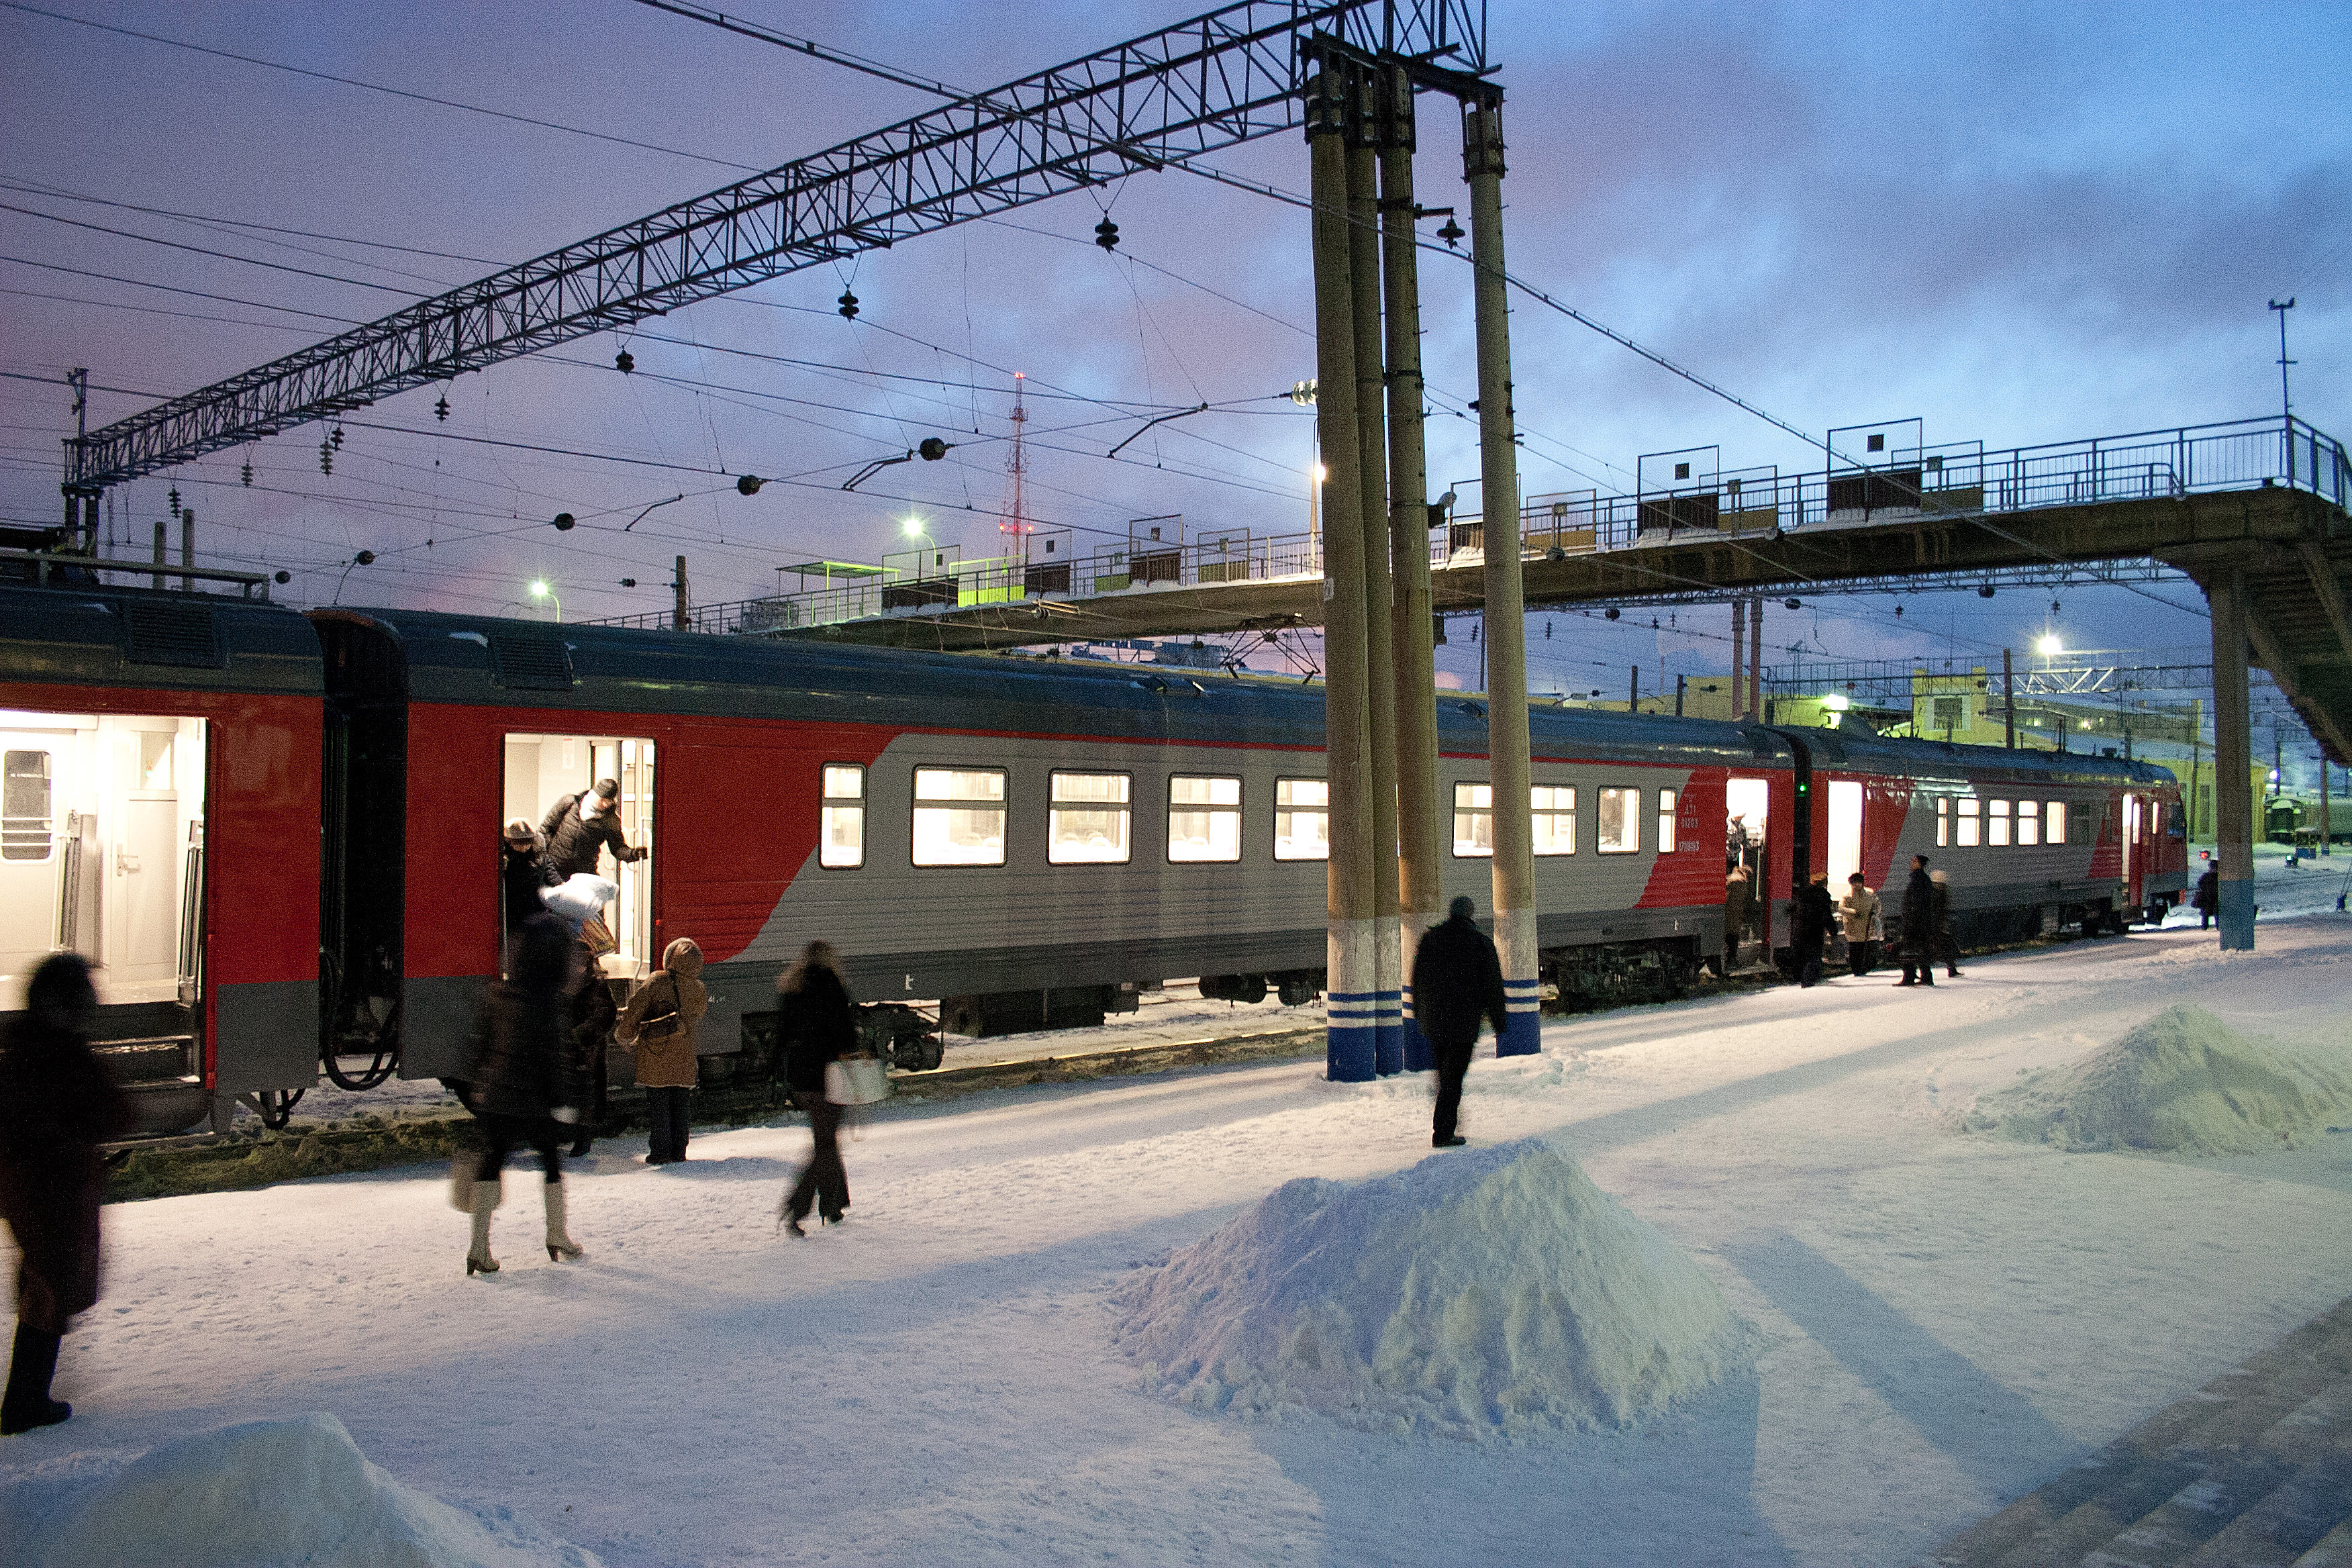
x,y
490,662
1836,750
132,638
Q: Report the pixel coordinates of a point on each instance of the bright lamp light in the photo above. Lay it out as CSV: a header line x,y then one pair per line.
x,y
539,589
2050,644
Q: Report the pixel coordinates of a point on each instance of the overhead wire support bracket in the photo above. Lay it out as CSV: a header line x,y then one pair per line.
x,y
1159,419
1230,75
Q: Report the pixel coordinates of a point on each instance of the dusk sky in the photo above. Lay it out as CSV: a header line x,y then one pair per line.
x,y
2016,223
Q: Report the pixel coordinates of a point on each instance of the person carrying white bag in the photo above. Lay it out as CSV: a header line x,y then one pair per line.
x,y
818,1028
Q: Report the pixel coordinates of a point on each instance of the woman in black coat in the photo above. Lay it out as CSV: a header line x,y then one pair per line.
x,y
58,1104
524,1086
817,1025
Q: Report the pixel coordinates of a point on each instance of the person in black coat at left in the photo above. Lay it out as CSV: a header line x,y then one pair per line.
x,y
524,1083
58,1104
1456,981
1809,928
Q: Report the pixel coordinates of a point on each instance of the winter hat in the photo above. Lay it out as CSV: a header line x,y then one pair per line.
x,y
520,832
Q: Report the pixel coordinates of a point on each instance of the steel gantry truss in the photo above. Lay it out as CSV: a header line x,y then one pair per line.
x,y
1208,83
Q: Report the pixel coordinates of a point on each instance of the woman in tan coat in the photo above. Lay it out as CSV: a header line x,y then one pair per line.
x,y
659,1024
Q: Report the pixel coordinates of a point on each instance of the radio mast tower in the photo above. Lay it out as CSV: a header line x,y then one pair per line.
x,y
1015,518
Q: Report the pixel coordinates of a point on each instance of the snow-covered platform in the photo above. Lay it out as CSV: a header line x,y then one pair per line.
x,y
1940,1320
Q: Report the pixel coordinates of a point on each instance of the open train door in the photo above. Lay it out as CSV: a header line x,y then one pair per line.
x,y
1746,812
2135,860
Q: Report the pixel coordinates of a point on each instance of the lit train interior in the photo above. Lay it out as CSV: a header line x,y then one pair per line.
x,y
543,769
102,851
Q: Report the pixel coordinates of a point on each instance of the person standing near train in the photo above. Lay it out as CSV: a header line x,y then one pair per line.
x,y
1456,979
1808,926
1939,919
1918,926
818,1025
523,1085
58,1104
579,827
1859,910
659,1024
523,870
1735,913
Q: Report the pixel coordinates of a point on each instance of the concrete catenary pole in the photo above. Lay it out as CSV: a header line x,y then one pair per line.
x,y
1506,649
187,545
1739,659
1350,976
163,550
1421,870
1380,643
1755,660
679,603
2233,762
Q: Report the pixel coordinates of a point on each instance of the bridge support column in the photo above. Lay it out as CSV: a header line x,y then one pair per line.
x,y
1351,947
1420,869
1380,642
2233,794
1506,643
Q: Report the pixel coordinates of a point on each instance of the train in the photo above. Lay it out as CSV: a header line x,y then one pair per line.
x,y
276,834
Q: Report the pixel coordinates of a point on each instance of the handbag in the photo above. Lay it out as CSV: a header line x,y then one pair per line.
x,y
657,1026
855,1080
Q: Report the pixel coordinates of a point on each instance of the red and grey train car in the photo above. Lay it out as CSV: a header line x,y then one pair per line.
x,y
1030,840
159,812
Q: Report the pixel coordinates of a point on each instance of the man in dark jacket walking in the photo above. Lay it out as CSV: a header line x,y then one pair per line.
x,y
57,1103
2208,896
1456,979
579,825
1918,926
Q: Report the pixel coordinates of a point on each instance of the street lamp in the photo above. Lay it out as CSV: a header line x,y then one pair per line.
x,y
540,590
2049,646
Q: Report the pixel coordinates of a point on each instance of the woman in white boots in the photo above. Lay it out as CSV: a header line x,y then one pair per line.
x,y
525,1085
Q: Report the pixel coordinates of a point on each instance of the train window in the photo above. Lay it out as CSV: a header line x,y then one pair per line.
x,y
1666,810
1302,819
842,843
1996,822
25,806
1620,829
1088,821
959,816
1474,819
1943,820
1970,826
1204,819
2081,827
1554,811
2053,821
2028,822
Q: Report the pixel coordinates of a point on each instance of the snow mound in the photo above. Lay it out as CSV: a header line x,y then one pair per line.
x,y
1490,1290
2183,1082
281,1492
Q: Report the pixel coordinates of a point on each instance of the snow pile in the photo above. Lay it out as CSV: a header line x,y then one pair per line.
x,y
1483,1290
2183,1082
279,1492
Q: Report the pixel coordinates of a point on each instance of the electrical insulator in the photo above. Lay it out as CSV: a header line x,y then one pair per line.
x,y
1106,234
441,408
326,458
1985,592
749,485
1791,603
932,449
1547,631
1610,612
624,362
246,473
337,438
1452,232
565,522
282,578
174,499
848,305
364,558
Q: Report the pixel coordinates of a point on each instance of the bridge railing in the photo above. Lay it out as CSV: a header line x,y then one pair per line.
x,y
1956,481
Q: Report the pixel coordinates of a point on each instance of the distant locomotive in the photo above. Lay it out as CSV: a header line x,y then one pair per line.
x,y
278,835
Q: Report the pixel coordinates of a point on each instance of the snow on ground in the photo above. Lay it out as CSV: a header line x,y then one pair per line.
x,y
1943,1321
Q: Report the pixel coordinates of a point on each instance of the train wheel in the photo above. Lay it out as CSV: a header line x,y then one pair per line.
x,y
1296,991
